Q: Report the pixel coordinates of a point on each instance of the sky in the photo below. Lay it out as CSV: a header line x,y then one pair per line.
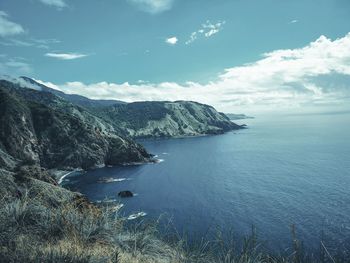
x,y
242,56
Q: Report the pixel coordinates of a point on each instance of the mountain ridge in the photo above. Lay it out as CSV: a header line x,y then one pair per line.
x,y
154,119
39,125
38,134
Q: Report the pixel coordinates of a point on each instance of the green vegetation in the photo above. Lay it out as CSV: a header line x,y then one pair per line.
x,y
165,119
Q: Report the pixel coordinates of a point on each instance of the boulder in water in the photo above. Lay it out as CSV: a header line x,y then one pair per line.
x,y
125,194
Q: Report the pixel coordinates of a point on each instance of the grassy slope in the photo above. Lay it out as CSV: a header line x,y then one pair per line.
x,y
165,119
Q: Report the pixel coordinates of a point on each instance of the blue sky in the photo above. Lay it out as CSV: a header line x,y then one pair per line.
x,y
202,50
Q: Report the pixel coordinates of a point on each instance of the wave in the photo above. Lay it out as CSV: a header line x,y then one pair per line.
x,y
112,180
60,181
106,201
136,215
116,208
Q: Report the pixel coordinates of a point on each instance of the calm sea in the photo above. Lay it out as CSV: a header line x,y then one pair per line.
x,y
283,170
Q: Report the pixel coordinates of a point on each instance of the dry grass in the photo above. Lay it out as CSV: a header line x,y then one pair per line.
x,y
45,226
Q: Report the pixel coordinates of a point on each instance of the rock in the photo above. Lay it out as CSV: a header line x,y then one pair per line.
x,y
39,128
166,119
125,194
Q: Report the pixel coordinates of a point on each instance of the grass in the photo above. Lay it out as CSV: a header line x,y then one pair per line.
x,y
44,225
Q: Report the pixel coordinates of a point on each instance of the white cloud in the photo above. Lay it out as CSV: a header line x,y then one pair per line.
x,y
313,76
31,42
56,3
7,27
153,6
207,29
294,21
171,40
65,56
21,82
48,84
15,66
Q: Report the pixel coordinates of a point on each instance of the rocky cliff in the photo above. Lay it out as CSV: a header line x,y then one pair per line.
x,y
32,132
146,119
166,119
55,130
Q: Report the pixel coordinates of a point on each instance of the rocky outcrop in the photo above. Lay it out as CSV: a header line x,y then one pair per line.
x,y
125,194
166,119
36,133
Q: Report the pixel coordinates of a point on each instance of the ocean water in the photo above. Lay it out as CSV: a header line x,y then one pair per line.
x,y
282,170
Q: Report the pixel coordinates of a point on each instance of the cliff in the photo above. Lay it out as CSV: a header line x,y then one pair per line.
x,y
147,119
166,119
32,132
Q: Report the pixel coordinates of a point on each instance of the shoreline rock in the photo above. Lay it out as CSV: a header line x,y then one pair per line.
x,y
125,194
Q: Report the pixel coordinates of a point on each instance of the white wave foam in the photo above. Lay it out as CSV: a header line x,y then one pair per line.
x,y
136,215
112,180
117,207
106,201
63,177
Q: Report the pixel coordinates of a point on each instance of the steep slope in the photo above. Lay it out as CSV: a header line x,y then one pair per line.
x,y
166,119
31,132
74,98
148,119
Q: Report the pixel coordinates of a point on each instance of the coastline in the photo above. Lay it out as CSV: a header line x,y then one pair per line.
x,y
160,138
61,174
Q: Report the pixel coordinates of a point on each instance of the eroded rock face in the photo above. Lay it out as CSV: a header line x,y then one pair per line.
x,y
17,138
42,134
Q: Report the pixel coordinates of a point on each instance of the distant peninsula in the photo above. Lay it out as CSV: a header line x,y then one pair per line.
x,y
233,116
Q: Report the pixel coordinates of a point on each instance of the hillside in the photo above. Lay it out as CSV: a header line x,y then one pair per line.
x,y
233,116
73,98
40,131
147,119
32,132
166,119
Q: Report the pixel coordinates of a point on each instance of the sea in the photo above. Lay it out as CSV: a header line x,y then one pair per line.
x,y
283,172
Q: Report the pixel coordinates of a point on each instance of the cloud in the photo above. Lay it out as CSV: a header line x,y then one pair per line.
x,y
31,42
171,40
294,21
207,29
7,27
21,82
55,3
153,6
314,76
65,56
48,84
14,66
